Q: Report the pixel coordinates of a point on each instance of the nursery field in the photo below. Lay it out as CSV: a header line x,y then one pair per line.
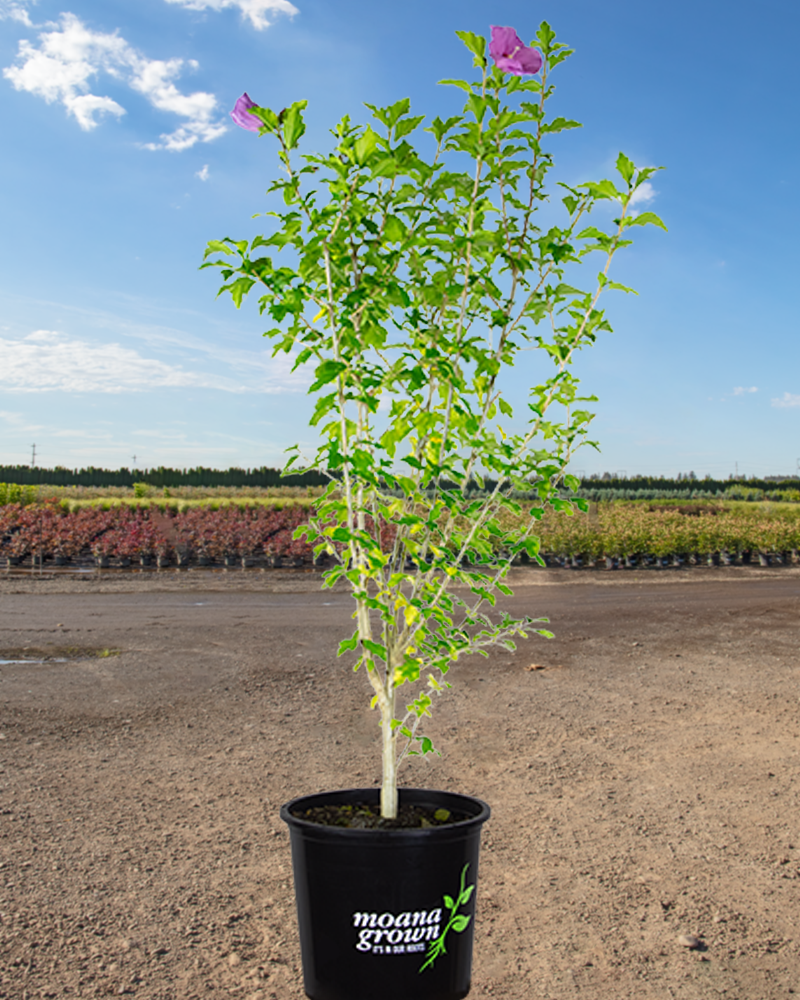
x,y
115,532
643,769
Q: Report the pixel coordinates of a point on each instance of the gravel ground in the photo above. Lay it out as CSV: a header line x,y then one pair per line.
x,y
642,768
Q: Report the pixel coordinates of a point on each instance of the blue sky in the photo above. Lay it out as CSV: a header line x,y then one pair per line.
x,y
120,162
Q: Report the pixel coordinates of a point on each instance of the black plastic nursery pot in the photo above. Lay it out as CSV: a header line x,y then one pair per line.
x,y
386,914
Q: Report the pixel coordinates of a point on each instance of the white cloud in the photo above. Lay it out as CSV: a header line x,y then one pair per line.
x,y
153,78
16,10
44,336
203,173
71,55
742,390
643,194
48,361
786,401
18,421
255,10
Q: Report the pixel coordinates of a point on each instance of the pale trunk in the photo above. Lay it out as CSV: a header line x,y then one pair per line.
x,y
389,786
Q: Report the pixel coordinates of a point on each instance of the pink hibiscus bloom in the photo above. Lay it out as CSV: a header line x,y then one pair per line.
x,y
510,53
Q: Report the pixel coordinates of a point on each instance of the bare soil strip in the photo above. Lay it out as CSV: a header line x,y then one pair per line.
x,y
642,768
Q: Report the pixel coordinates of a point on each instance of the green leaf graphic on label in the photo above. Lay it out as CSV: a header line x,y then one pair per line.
x,y
457,922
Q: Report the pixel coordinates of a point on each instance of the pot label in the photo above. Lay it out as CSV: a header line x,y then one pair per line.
x,y
396,934
410,931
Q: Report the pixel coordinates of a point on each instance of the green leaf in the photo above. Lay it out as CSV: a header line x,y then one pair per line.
x,y
448,902
266,116
591,233
346,644
477,105
217,246
374,647
394,231
560,251
601,189
505,407
327,372
239,289
571,203
408,125
384,166
388,116
626,168
293,124
648,219
456,83
460,923
440,128
562,290
365,145
396,111
476,45
559,57
560,125
545,36
532,546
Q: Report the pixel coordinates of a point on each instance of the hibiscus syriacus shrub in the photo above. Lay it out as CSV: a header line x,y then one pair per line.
x,y
413,265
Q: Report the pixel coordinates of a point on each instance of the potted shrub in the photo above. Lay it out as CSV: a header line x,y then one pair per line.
x,y
163,535
131,543
13,541
411,285
66,543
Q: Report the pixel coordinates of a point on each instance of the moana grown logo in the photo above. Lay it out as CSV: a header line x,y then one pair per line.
x,y
408,932
396,934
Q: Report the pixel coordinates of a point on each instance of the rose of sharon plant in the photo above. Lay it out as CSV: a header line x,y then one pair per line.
x,y
413,266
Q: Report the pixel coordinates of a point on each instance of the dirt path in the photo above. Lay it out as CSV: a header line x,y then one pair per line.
x,y
644,784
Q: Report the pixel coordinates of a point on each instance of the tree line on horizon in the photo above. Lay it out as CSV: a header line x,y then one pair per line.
x,y
265,477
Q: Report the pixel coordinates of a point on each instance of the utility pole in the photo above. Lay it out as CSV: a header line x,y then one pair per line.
x,y
33,457
134,461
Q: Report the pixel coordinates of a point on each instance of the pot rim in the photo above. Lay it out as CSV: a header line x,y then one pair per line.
x,y
467,803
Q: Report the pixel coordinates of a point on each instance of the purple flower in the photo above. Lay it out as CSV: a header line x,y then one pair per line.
x,y
241,114
510,54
